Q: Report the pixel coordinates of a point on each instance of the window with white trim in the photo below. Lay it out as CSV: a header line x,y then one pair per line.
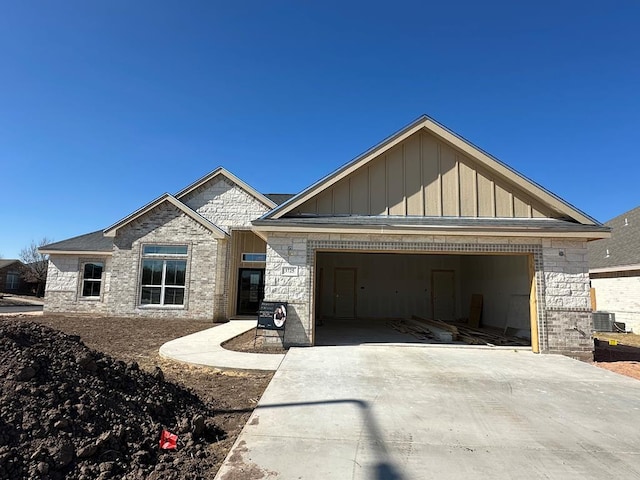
x,y
163,279
92,279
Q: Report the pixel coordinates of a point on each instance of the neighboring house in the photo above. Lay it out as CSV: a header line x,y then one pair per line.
x,y
12,277
614,269
414,226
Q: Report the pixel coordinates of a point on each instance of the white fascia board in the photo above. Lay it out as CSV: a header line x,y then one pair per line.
x,y
391,230
214,229
230,176
456,141
345,170
536,191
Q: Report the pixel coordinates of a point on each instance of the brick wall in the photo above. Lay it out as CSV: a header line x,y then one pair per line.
x,y
207,296
562,282
290,251
63,293
225,204
165,224
621,296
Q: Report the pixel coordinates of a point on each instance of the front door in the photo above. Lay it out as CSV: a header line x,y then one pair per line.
x,y
250,290
344,286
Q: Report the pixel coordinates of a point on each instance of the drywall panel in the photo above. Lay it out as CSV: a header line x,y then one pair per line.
x,y
502,280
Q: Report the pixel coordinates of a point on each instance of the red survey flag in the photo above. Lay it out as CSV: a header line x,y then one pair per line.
x,y
168,440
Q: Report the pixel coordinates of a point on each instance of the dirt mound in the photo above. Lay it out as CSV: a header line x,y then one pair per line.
x,y
70,412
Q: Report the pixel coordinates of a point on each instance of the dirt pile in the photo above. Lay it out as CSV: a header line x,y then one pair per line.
x,y
70,412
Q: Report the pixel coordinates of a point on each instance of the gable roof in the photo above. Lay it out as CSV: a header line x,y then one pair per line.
x,y
5,262
279,198
89,243
622,249
215,230
231,177
441,132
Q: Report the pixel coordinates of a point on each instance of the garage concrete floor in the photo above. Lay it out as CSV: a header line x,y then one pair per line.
x,y
419,412
373,331
359,332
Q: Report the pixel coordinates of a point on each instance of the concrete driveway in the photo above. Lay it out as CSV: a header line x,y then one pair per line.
x,y
389,412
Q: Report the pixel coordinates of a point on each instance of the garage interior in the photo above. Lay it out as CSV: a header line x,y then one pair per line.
x,y
395,297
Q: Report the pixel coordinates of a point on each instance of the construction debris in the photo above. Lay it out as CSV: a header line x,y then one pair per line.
x,y
403,326
427,329
486,336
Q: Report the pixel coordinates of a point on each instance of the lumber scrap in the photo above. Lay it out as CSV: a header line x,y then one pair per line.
x,y
437,323
420,332
489,337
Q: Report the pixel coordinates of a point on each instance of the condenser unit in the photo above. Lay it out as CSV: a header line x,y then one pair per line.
x,y
603,321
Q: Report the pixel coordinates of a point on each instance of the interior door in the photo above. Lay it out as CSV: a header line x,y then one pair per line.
x,y
443,295
344,293
250,290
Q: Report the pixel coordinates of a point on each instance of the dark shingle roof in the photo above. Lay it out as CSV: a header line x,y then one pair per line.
x,y
279,198
89,242
623,246
5,262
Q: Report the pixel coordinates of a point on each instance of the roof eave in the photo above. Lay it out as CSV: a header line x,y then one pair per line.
x,y
222,171
454,140
214,229
346,169
616,268
97,253
262,228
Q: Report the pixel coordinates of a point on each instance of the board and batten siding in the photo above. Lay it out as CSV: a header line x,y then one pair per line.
x,y
424,176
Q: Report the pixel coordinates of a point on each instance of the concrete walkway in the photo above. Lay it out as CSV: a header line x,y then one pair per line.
x,y
204,348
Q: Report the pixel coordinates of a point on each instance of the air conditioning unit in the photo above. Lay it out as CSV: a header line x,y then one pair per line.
x,y
603,321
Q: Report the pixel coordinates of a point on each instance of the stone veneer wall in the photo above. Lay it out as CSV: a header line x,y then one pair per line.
x,y
562,283
228,206
225,204
567,323
165,224
63,291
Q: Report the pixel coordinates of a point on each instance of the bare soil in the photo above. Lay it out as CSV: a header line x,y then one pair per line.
x,y
623,358
229,396
248,342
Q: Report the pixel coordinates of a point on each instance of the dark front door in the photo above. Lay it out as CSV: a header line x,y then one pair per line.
x,y
250,290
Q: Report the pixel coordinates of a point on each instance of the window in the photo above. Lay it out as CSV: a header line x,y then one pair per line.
x,y
166,250
13,281
163,279
92,279
254,257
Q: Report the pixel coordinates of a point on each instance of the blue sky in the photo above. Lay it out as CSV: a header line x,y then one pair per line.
x,y
106,105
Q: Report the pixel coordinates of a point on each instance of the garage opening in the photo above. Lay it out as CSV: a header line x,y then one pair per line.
x,y
422,298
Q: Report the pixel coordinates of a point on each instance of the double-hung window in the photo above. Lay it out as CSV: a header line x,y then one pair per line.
x,y
13,281
92,279
163,280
